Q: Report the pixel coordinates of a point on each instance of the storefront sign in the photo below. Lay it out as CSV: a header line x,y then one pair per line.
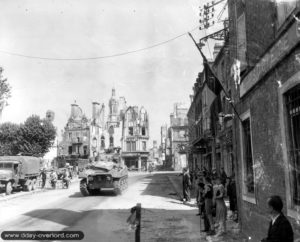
x,y
270,59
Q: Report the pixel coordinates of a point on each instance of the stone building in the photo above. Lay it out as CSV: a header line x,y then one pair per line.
x,y
81,136
264,41
86,138
135,137
112,133
177,137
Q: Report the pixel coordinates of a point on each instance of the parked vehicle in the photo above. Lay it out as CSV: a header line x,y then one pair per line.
x,y
19,172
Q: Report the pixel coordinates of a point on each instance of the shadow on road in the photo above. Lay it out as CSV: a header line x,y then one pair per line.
x,y
111,225
159,185
98,194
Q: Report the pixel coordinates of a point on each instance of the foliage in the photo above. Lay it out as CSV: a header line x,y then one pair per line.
x,y
34,137
9,138
5,88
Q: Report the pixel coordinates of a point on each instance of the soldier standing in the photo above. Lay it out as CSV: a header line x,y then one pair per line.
x,y
44,178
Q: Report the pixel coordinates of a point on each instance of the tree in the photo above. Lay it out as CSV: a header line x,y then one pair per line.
x,y
5,88
34,137
38,136
9,136
5,91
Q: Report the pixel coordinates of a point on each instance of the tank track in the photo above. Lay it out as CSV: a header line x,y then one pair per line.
x,y
83,188
120,185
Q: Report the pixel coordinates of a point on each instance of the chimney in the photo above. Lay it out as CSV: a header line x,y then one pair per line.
x,y
96,109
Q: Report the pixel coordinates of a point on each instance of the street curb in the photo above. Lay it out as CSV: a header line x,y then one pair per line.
x,y
5,198
177,190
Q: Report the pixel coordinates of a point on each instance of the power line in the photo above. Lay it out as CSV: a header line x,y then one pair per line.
x,y
97,57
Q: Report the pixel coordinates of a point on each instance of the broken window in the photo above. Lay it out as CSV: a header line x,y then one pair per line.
x,y
102,142
130,130
293,115
247,147
143,131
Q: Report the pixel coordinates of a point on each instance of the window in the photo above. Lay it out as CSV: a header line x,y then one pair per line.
x,y
293,113
248,160
144,146
128,146
133,146
284,9
70,136
242,41
85,150
130,130
94,144
111,141
143,131
102,142
8,165
70,150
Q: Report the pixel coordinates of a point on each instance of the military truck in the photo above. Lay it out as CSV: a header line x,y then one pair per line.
x,y
19,172
106,174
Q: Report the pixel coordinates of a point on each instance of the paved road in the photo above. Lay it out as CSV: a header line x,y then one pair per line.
x,y
103,217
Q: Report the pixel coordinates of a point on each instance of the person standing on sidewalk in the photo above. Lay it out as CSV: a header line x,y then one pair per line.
x,y
231,193
280,229
201,206
208,199
186,182
221,210
223,176
44,177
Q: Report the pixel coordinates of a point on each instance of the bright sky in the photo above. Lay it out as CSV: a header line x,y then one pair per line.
x,y
155,78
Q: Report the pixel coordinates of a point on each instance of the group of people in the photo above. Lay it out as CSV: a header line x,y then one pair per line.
x,y
213,188
65,176
211,191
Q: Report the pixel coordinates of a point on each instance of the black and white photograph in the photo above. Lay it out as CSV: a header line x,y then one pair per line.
x,y
150,120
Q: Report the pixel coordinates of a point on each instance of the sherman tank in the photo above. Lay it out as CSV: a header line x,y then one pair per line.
x,y
106,174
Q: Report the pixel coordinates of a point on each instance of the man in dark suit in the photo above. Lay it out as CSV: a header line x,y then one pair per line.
x,y
280,229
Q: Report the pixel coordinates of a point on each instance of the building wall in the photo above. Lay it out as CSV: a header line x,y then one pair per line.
x,y
135,133
178,136
263,104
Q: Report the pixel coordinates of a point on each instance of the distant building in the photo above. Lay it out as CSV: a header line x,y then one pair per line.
x,y
135,137
177,140
154,154
83,137
163,143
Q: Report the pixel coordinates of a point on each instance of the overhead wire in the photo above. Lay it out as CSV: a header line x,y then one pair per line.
x,y
97,57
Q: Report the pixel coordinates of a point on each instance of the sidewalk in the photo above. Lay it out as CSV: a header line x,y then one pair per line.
x,y
20,193
233,232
